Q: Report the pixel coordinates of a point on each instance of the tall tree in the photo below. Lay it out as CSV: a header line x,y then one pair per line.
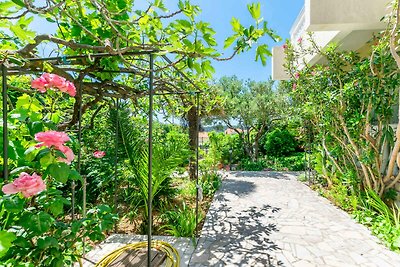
x,y
120,28
250,108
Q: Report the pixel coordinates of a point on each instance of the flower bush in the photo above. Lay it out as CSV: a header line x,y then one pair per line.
x,y
36,226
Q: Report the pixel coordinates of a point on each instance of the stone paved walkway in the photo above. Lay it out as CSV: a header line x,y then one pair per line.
x,y
271,219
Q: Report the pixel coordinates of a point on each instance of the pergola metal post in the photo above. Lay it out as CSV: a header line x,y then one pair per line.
x,y
80,145
116,158
197,159
150,161
5,128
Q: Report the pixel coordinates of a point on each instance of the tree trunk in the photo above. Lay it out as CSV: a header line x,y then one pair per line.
x,y
192,119
256,145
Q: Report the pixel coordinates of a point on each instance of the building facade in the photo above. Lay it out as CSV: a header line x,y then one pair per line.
x,y
349,23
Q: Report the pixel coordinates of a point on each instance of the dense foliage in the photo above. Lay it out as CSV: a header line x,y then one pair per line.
x,y
36,227
350,104
250,109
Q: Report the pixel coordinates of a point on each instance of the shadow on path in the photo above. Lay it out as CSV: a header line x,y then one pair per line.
x,y
265,174
237,238
238,188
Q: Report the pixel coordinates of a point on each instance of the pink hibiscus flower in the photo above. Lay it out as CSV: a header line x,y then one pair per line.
x,y
26,184
99,154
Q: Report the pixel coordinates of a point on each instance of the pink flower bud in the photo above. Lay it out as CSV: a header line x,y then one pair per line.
x,y
99,154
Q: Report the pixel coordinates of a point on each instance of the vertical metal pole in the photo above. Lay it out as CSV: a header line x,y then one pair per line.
x,y
116,160
5,128
80,147
197,159
150,169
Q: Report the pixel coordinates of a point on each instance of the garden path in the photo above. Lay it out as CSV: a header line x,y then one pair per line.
x,y
271,219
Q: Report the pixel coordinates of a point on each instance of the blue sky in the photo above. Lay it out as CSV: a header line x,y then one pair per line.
x,y
280,15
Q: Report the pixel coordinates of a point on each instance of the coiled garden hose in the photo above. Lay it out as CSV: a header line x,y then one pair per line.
x,y
173,258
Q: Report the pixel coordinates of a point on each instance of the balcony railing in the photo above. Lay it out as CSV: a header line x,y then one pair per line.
x,y
299,26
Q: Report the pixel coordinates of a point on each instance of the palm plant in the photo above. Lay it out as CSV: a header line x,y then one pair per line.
x,y
133,148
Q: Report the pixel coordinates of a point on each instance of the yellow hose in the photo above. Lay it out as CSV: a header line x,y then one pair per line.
x,y
173,258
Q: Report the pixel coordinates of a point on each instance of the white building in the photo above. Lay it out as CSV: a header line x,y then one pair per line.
x,y
349,23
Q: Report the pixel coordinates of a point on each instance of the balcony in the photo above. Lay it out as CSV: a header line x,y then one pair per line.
x,y
349,23
299,26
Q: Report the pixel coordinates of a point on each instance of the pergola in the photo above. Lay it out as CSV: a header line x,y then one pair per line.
x,y
87,66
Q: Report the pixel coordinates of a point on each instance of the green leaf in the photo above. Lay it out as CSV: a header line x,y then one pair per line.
x,y
29,103
47,242
38,223
262,53
210,40
6,240
59,171
21,33
197,67
20,169
236,26
19,2
35,127
14,203
255,10
229,41
46,160
31,153
187,43
396,242
74,175
6,5
22,242
184,23
189,62
56,205
207,68
57,262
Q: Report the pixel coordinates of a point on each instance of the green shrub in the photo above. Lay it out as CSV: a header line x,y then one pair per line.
x,y
181,222
210,182
279,142
380,218
294,162
341,196
249,165
224,148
